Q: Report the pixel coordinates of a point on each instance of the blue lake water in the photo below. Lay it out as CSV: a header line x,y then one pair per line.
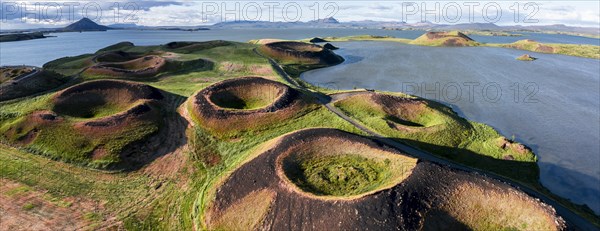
x,y
556,110
39,51
560,121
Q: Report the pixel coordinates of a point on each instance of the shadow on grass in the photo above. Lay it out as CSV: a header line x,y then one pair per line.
x,y
170,137
526,172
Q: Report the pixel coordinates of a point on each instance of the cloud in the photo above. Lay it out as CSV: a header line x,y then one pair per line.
x,y
179,12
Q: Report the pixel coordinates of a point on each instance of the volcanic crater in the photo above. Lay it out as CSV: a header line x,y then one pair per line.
x,y
104,103
246,102
262,193
304,53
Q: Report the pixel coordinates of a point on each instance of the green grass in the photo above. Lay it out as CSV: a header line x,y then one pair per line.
x,y
18,191
89,109
69,66
581,50
243,98
28,206
339,175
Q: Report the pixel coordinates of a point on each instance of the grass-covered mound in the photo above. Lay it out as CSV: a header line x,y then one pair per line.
x,y
262,193
300,53
438,129
129,66
582,50
408,117
190,47
16,82
319,167
117,47
245,103
92,123
116,57
449,39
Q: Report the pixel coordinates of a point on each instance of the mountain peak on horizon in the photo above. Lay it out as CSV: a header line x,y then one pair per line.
x,y
326,20
86,24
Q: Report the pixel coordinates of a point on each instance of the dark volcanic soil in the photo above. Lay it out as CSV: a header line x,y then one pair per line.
x,y
403,207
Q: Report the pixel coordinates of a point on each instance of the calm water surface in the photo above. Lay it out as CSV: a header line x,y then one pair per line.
x,y
39,51
556,112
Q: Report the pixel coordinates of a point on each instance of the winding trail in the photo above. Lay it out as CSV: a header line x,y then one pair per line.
x,y
35,71
328,100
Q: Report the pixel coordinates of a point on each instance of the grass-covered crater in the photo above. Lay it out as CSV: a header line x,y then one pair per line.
x,y
337,175
102,98
93,123
260,94
436,128
319,167
131,62
246,103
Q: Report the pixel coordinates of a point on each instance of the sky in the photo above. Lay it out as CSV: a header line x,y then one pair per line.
x,y
47,14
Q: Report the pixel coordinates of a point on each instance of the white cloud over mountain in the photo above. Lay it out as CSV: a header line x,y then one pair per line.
x,y
33,14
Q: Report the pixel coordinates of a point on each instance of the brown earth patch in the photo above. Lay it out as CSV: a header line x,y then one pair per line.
x,y
99,153
409,205
507,144
223,106
544,48
146,66
24,208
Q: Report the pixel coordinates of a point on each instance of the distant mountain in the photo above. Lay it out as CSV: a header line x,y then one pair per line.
x,y
85,24
558,28
123,26
324,23
424,24
472,26
325,20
